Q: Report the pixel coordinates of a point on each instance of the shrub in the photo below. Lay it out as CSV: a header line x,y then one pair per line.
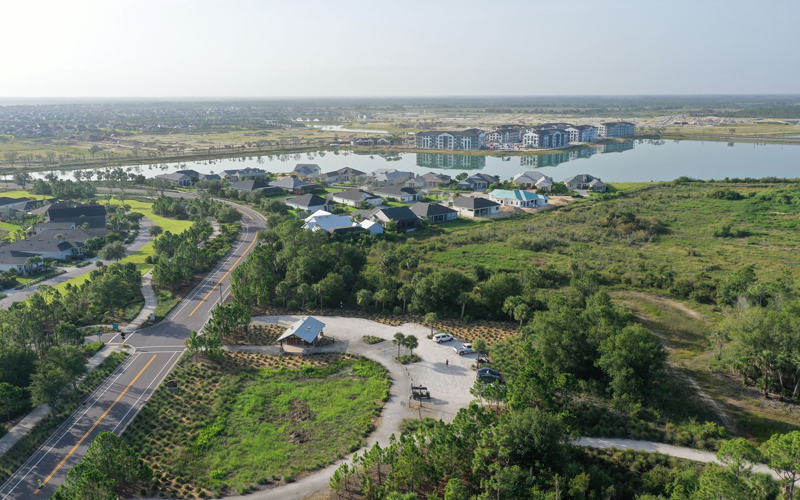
x,y
407,359
91,349
371,339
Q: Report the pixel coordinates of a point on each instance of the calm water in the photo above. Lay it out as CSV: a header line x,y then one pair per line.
x,y
632,161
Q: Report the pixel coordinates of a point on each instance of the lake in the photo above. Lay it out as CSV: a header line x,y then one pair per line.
x,y
633,161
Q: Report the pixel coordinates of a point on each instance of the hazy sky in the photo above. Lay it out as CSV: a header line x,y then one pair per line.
x,y
151,48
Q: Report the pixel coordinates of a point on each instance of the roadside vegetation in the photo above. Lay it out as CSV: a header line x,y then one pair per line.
x,y
241,422
66,401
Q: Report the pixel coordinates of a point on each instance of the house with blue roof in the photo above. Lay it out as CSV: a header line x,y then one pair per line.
x,y
518,198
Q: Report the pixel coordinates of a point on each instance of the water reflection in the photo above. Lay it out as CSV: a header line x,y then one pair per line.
x,y
442,160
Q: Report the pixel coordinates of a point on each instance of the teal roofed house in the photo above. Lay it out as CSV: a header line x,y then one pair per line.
x,y
518,198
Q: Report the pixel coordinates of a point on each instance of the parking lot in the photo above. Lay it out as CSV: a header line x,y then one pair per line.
x,y
449,385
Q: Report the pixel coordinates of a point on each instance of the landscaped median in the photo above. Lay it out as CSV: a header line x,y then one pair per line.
x,y
246,420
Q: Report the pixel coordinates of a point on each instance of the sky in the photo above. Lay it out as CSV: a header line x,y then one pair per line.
x,y
304,48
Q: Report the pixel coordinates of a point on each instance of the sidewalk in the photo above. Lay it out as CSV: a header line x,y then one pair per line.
x,y
30,421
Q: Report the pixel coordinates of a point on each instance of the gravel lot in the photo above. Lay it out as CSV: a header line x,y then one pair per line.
x,y
449,385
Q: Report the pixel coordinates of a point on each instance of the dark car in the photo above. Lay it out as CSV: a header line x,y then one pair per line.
x,y
488,377
490,371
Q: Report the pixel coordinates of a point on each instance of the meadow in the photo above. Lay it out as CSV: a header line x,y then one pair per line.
x,y
246,420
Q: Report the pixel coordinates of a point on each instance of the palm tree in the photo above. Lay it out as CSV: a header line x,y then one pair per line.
x,y
412,343
406,293
399,340
382,296
364,298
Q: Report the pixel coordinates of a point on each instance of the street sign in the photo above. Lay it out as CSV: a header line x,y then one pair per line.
x,y
116,327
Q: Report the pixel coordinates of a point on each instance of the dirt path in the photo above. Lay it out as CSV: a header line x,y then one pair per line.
x,y
672,303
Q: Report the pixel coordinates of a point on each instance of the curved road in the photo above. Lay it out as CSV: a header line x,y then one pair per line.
x,y
117,401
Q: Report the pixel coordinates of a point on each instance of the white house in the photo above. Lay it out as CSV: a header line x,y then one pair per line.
x,y
518,198
353,197
176,178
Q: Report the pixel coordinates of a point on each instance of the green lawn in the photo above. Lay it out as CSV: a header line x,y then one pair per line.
x,y
241,422
11,228
166,302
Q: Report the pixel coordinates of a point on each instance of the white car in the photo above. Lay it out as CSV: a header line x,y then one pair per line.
x,y
442,337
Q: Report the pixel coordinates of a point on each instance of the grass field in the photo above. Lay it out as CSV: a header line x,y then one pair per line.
x,y
250,420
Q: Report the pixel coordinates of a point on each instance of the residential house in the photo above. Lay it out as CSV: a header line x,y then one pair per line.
x,y
322,220
518,198
209,177
176,178
388,176
429,180
581,133
294,185
371,227
305,333
585,181
477,182
250,186
383,141
345,174
534,179
62,245
616,129
13,203
194,174
93,215
310,202
470,139
403,218
473,206
306,171
434,212
353,197
245,174
399,193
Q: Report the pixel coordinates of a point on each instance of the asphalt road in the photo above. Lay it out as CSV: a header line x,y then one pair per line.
x,y
117,401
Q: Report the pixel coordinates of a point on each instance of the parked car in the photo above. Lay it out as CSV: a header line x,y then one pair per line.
x,y
489,378
463,349
442,337
490,371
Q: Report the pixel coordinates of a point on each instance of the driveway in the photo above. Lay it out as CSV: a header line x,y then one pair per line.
x,y
449,385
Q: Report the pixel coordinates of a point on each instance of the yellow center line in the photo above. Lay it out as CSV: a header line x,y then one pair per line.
x,y
229,271
95,425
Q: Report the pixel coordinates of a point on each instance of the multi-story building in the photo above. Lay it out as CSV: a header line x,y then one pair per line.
x,y
616,129
506,135
470,139
547,138
582,133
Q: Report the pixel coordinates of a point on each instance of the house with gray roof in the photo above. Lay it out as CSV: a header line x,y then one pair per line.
x,y
399,193
93,215
353,197
388,176
294,185
309,202
534,179
345,174
176,178
585,181
473,206
57,245
245,174
477,182
250,186
434,212
429,180
403,218
306,171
